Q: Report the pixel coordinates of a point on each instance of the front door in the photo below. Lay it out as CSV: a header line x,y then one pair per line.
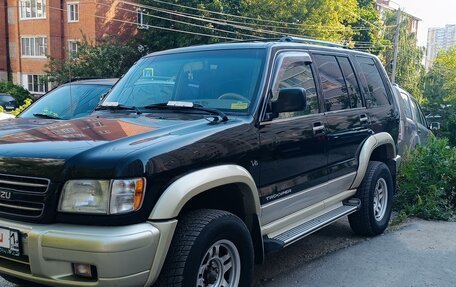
x,y
292,156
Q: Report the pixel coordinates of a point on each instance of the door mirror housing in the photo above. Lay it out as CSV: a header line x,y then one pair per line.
x,y
290,100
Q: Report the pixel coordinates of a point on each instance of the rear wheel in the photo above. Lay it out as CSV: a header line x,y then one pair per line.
x,y
376,195
210,248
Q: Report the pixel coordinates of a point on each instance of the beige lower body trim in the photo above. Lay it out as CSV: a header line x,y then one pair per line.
x,y
281,225
123,255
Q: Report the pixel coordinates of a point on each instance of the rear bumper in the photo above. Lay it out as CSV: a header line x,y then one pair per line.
x,y
123,256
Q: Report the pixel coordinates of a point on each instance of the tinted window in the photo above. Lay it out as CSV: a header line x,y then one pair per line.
x,y
294,72
6,99
406,105
352,84
374,88
332,83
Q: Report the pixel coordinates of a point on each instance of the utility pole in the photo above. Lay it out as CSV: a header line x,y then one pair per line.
x,y
396,44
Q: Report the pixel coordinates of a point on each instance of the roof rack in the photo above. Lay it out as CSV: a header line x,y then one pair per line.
x,y
311,41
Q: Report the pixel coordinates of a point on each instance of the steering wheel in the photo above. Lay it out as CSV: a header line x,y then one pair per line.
x,y
233,96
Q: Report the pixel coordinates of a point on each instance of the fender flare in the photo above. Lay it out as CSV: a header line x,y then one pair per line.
x,y
174,198
373,142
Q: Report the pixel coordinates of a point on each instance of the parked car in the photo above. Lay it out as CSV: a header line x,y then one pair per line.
x,y
200,162
7,102
413,128
70,101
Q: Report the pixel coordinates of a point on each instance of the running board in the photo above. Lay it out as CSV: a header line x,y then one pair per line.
x,y
294,234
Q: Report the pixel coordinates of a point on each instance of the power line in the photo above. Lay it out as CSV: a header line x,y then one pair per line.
x,y
300,26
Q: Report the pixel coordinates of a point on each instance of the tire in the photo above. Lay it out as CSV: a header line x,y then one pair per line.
x,y
376,195
193,259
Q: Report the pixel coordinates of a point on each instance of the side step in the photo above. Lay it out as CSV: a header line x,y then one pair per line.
x,y
294,234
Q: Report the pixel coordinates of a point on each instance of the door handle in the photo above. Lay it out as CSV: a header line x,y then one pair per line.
x,y
318,128
363,118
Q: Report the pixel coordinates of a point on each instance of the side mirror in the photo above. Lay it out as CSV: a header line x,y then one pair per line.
x,y
290,100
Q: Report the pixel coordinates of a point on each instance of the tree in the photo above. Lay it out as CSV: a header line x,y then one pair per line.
x,y
445,65
410,70
16,91
322,19
367,36
108,58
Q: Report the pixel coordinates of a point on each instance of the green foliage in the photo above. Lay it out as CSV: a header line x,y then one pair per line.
x,y
107,58
368,36
16,91
322,19
27,102
427,182
445,66
1,109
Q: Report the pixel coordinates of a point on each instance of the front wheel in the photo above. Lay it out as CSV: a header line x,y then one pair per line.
x,y
376,195
210,248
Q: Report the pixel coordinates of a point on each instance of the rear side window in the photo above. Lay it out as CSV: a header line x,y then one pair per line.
x,y
332,83
354,92
373,86
406,105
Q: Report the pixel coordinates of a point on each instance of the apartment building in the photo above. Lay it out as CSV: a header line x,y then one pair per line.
x,y
385,5
439,39
33,30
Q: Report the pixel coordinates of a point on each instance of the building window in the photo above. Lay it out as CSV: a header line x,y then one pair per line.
x,y
72,48
36,83
32,9
33,46
140,19
73,12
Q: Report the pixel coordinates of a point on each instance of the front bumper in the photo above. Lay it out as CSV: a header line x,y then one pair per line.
x,y
123,255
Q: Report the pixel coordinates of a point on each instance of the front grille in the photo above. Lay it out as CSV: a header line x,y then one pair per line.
x,y
23,183
22,196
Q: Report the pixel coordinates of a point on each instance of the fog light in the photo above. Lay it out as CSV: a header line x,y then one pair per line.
x,y
84,270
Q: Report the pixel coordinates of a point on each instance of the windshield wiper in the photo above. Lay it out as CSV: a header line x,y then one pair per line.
x,y
175,105
46,116
116,106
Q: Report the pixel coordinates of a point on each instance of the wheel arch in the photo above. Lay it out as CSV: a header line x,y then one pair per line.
x,y
379,147
225,187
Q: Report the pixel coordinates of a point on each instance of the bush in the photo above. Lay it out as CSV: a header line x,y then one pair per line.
x,y
27,102
427,182
18,92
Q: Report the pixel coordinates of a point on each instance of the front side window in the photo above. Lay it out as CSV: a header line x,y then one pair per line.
x,y
73,12
334,89
295,72
32,9
222,79
37,84
373,85
34,46
418,113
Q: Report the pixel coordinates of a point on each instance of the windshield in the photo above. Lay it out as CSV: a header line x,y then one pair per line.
x,y
68,101
224,79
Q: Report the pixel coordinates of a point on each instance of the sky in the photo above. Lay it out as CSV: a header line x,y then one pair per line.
x,y
434,13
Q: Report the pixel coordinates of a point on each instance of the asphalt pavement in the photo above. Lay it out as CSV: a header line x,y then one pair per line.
x,y
418,253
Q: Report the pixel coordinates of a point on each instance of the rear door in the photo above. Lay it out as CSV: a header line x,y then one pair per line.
x,y
347,120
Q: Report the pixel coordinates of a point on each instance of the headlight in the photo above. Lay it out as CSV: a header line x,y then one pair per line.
x,y
102,196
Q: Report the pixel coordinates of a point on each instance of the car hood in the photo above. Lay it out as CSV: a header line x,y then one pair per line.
x,y
52,149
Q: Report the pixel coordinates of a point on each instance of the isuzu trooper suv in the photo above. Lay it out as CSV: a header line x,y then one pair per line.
x,y
198,164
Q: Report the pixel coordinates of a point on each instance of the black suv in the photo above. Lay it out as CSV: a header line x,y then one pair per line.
x,y
200,162
7,102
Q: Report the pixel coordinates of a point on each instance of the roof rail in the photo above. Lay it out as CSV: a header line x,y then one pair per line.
x,y
311,41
